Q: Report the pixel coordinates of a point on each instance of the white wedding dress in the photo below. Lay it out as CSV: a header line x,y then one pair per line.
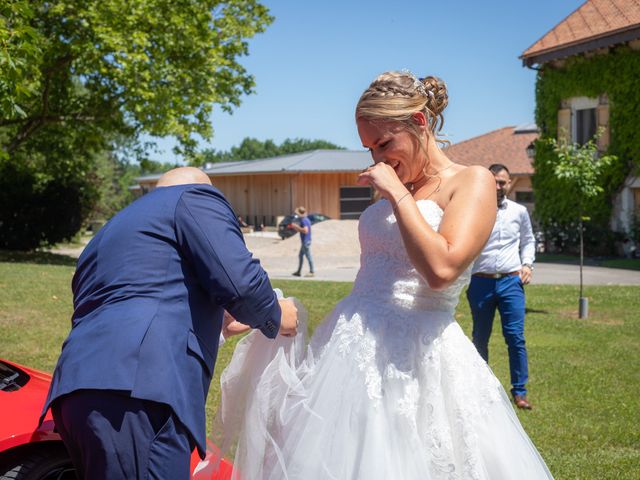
x,y
388,388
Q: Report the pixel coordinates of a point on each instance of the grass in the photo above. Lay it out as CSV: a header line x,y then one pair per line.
x,y
624,263
584,373
558,258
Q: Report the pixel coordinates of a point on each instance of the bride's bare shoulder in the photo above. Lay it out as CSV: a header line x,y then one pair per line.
x,y
468,179
475,173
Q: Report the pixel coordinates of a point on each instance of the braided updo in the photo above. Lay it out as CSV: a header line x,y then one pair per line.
x,y
396,96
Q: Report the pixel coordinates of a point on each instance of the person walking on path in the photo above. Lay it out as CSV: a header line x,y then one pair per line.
x,y
500,272
305,241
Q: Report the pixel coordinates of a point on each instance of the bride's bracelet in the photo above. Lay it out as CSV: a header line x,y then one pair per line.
x,y
395,208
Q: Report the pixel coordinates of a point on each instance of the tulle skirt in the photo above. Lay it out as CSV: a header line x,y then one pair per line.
x,y
377,394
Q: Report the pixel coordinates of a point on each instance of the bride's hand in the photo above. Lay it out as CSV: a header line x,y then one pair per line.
x,y
384,179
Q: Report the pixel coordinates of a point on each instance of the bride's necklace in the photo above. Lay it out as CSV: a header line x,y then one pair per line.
x,y
414,187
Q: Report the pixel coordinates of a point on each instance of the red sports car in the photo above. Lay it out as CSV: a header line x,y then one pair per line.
x,y
29,452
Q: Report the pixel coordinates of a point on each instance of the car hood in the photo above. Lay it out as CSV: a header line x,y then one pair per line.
x,y
21,408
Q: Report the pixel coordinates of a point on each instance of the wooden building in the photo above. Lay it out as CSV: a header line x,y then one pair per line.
x,y
262,191
324,181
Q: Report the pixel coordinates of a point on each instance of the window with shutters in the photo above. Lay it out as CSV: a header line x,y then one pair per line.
x,y
585,125
583,119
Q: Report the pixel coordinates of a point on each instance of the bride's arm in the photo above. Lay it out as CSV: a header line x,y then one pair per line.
x,y
441,257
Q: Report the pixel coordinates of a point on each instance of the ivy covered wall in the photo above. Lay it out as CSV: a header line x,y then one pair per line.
x,y
616,74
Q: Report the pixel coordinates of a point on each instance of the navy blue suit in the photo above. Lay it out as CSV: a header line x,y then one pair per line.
x,y
149,293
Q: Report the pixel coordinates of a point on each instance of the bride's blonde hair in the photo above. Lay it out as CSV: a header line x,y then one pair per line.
x,y
396,96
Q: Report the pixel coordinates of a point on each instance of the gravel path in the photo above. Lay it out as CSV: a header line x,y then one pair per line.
x,y
336,254
335,250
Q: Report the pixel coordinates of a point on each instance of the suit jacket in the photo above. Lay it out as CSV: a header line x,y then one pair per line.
x,y
149,293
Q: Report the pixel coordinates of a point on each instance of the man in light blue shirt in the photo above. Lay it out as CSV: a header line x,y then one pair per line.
x,y
498,278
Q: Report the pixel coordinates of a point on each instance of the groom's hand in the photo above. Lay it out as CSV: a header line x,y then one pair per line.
x,y
289,321
231,327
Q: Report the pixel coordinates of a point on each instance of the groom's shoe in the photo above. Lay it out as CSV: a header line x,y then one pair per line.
x,y
522,402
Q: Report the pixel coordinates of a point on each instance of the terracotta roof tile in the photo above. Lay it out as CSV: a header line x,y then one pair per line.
x,y
499,146
593,19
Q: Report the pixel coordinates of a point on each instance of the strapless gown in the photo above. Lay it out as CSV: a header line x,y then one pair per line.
x,y
389,386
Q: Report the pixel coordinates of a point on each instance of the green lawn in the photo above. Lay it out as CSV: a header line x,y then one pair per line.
x,y
584,373
624,263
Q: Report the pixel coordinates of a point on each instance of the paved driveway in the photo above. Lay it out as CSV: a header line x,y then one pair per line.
x,y
558,273
344,269
279,263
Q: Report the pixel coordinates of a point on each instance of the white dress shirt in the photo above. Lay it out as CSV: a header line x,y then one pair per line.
x,y
511,243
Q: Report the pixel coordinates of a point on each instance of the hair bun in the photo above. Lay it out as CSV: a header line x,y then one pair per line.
x,y
437,91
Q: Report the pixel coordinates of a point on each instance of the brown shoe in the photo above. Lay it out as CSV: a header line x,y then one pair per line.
x,y
522,402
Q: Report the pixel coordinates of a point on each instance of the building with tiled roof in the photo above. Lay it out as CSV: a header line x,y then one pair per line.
x,y
508,146
594,25
324,181
589,66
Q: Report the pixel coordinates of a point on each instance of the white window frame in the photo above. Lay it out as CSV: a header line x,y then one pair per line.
x,y
581,103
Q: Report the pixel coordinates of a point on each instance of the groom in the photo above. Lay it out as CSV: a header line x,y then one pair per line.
x,y
150,291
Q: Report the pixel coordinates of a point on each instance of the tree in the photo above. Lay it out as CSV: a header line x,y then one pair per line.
x,y
579,172
114,178
20,55
89,76
253,149
151,65
47,198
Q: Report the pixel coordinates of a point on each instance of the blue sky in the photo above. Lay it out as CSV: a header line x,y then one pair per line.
x,y
316,58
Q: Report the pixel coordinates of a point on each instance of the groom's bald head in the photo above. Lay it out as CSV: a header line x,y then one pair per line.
x,y
183,176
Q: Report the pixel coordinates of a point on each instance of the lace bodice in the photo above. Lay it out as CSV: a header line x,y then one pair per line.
x,y
386,273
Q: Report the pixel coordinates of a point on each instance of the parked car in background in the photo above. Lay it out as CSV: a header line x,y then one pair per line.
x,y
32,452
283,227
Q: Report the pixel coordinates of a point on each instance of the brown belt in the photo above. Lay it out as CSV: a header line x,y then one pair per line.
x,y
495,275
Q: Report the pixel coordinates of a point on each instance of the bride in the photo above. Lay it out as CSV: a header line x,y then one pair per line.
x,y
389,386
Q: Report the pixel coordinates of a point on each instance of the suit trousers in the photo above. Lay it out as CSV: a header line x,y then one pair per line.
x,y
507,295
110,435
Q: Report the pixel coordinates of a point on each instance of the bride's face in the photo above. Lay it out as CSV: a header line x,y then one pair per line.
x,y
392,143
